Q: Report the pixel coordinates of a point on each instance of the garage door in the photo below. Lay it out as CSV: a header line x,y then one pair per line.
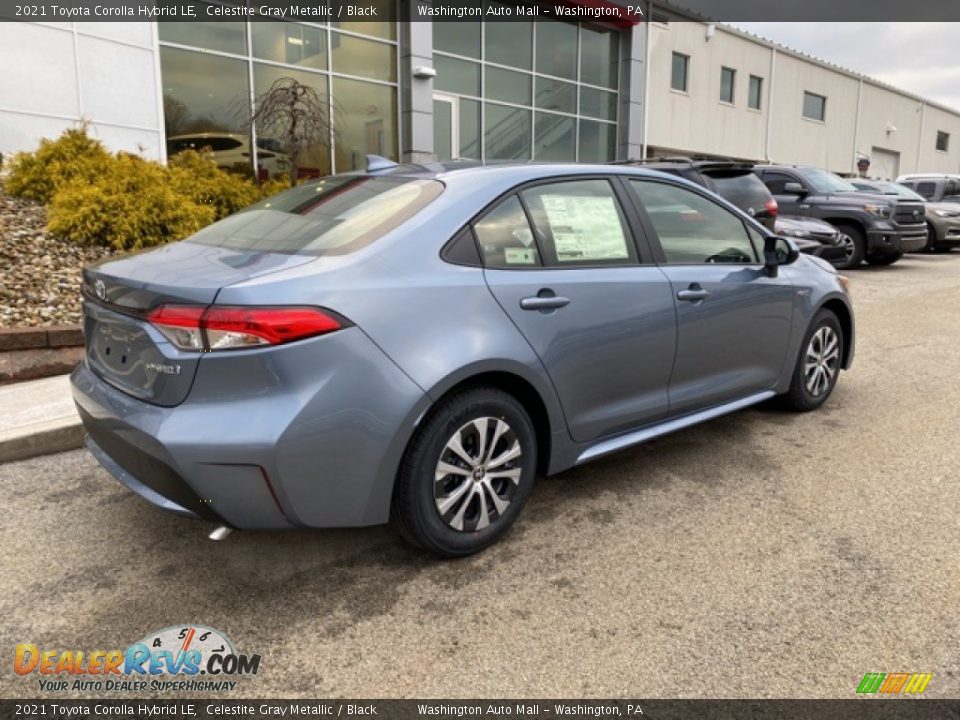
x,y
884,164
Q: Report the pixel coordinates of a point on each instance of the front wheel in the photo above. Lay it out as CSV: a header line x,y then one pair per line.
x,y
467,473
818,367
854,244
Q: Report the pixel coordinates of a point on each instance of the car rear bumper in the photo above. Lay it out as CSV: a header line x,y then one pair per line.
x,y
308,434
896,241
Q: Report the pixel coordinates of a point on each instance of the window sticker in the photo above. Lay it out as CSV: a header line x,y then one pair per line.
x,y
585,227
520,256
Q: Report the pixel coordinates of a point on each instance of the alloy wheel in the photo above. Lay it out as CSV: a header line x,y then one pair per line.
x,y
477,474
849,246
822,361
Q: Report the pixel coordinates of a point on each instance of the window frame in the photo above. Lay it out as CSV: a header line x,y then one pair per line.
x,y
946,144
823,107
733,85
686,72
759,106
653,238
643,253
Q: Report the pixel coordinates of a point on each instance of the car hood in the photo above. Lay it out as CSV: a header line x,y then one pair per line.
x,y
796,222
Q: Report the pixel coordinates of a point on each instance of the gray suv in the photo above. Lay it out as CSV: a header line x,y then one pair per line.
x,y
417,343
874,227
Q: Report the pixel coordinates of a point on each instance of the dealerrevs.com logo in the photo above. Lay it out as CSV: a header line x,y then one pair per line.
x,y
180,658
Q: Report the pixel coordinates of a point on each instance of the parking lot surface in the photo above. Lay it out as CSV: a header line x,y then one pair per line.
x,y
763,554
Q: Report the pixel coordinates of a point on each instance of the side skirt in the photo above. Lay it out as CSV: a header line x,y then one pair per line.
x,y
605,447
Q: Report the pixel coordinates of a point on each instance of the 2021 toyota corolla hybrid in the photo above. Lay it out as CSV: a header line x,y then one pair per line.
x,y
416,343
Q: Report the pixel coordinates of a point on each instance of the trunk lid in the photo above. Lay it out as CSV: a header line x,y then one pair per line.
x,y
122,347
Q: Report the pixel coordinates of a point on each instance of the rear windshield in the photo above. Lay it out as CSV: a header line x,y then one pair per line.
x,y
742,189
334,216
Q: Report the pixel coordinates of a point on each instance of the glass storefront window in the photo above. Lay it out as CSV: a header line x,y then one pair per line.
x,y
508,86
290,43
205,103
273,156
556,138
225,36
366,58
457,38
365,118
557,49
598,103
556,95
509,43
385,28
506,132
470,129
458,76
598,141
599,57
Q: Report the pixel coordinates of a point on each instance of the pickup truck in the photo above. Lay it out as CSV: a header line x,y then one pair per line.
x,y
873,227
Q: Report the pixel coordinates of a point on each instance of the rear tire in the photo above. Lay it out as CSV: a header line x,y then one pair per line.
x,y
466,474
881,260
818,364
854,243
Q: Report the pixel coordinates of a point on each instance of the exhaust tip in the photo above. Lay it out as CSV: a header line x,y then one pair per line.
x,y
221,533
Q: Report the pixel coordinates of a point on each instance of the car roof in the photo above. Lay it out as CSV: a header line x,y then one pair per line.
x,y
456,170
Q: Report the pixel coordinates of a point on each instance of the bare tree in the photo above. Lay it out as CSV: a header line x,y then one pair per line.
x,y
295,115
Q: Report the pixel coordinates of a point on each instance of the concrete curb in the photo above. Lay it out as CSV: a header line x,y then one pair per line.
x,y
38,419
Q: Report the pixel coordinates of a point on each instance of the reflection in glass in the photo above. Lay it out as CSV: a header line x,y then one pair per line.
x,y
364,117
507,86
556,95
384,27
509,43
598,141
598,103
557,49
205,103
470,129
506,132
443,129
273,155
458,76
458,38
226,36
290,43
556,138
599,56
365,58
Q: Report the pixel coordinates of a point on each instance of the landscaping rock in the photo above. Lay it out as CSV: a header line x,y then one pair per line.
x,y
39,274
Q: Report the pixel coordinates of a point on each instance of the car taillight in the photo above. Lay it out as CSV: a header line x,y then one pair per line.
x,y
772,207
191,327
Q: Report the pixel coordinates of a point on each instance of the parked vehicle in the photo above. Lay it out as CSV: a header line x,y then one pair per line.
x,y
943,218
731,180
232,150
933,188
417,343
813,237
876,228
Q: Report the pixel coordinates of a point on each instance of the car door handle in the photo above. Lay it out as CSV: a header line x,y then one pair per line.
x,y
544,302
694,293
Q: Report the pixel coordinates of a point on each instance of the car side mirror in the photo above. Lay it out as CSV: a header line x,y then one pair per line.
x,y
778,251
794,188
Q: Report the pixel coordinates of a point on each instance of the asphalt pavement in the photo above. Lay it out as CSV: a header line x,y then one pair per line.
x,y
763,554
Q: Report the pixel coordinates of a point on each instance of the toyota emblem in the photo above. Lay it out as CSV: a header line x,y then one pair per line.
x,y
100,289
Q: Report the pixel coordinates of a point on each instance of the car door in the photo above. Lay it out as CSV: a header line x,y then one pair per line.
x,y
787,203
733,320
561,260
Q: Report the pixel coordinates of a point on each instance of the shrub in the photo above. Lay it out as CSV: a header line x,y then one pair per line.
x,y
195,175
74,156
130,204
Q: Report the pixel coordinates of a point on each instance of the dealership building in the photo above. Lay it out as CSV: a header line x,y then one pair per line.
x,y
544,88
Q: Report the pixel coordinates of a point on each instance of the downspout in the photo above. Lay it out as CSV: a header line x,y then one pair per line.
x,y
856,129
646,79
773,79
923,107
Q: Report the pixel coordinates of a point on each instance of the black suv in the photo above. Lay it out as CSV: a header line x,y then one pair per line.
x,y
874,227
731,180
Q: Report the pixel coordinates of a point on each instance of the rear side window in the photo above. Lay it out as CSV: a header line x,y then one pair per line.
x,y
776,182
335,216
692,229
745,190
505,237
580,223
926,189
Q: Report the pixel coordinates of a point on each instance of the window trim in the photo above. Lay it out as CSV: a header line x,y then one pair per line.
x,y
822,120
686,72
759,105
733,86
946,145
644,254
660,257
